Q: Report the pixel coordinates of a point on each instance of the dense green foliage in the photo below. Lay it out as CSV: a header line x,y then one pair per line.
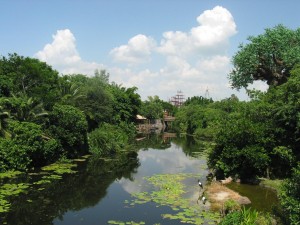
x,y
68,125
107,139
290,197
246,217
44,116
28,77
260,137
198,117
152,108
255,138
269,57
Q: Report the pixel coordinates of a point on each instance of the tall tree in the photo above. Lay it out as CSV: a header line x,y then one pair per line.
x,y
152,108
97,103
268,57
126,103
28,76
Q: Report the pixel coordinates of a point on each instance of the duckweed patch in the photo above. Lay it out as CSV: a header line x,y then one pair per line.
x,y
169,190
8,190
48,179
60,168
13,189
10,174
4,205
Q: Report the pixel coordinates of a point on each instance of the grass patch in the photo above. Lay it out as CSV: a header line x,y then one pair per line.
x,y
275,184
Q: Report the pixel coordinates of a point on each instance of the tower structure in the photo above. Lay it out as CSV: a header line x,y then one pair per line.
x,y
207,93
178,99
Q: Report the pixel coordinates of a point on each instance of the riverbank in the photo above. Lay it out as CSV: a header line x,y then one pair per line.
x,y
218,194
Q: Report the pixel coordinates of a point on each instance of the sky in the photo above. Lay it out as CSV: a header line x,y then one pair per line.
x,y
158,46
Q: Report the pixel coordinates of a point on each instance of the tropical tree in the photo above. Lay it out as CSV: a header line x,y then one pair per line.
x,y
268,57
71,90
126,103
23,108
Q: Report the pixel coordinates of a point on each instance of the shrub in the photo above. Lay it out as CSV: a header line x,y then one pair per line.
x,y
290,197
69,126
27,147
13,156
246,217
107,139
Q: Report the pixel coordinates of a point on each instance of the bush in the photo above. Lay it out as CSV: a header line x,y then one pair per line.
x,y
246,217
234,218
27,147
290,197
28,136
69,126
231,206
107,139
13,156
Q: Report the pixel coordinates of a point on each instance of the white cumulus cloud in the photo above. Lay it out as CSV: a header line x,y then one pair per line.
x,y
211,36
62,54
194,62
136,51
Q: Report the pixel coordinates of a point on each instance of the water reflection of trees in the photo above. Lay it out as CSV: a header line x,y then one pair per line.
x,y
152,140
190,146
75,192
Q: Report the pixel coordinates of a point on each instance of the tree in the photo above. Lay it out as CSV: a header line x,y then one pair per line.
x,y
27,147
69,126
71,89
97,101
268,57
152,108
244,142
23,108
198,100
126,103
28,76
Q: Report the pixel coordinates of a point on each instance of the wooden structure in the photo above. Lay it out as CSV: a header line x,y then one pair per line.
x,y
168,119
142,123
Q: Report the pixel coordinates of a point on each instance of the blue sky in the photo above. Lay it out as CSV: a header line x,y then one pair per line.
x,y
158,46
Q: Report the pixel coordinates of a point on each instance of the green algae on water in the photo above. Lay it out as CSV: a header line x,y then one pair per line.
x,y
169,190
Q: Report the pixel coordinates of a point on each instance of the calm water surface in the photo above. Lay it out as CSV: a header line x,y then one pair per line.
x,y
97,193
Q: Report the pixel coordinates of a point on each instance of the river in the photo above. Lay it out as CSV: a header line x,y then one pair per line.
x,y
105,191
